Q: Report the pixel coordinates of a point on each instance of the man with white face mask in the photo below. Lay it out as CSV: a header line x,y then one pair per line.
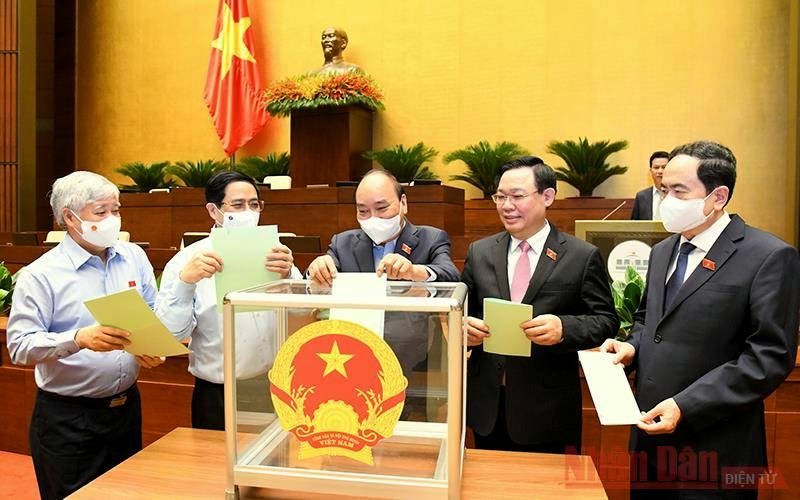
x,y
390,244
716,333
187,301
387,242
87,417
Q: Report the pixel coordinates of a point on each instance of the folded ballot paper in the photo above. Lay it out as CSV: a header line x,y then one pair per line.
x,y
128,311
610,389
355,286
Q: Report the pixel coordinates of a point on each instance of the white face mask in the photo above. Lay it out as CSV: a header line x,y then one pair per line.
x,y
103,233
681,215
246,218
381,230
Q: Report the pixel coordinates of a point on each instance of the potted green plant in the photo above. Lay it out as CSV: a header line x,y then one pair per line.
x,y
405,163
586,162
259,167
483,163
145,177
196,174
7,282
627,297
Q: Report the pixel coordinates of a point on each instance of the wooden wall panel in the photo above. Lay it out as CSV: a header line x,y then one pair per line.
x,y
9,161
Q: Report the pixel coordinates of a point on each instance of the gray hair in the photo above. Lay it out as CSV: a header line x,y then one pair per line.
x,y
78,189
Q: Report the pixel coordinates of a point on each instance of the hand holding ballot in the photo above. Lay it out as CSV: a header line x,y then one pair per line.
x,y
102,338
545,329
202,265
279,260
624,352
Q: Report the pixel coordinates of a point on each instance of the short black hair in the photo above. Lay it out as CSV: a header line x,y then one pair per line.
x,y
543,174
717,164
658,154
215,189
379,171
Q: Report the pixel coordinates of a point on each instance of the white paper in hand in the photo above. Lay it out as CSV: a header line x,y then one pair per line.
x,y
610,389
355,286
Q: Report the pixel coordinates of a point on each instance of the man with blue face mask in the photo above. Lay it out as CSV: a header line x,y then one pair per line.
x,y
716,333
187,301
87,417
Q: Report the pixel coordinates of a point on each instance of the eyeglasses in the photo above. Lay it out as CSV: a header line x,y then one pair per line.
x,y
514,198
240,206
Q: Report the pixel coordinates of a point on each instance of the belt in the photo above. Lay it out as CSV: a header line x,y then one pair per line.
x,y
114,401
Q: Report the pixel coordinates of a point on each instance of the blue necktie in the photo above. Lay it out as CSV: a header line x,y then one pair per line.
x,y
377,254
676,280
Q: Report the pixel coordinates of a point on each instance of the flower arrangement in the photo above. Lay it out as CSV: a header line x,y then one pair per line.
x,y
310,90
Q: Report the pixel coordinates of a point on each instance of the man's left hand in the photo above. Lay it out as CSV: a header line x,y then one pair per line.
x,y
150,361
668,414
544,329
397,267
280,260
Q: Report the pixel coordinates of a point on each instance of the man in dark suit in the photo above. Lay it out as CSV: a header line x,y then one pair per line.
x,y
388,243
716,333
647,202
533,403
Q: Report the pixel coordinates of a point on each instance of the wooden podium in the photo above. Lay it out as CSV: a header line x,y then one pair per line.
x,y
326,144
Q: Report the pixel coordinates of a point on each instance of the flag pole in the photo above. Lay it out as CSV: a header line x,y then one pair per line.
x,y
233,161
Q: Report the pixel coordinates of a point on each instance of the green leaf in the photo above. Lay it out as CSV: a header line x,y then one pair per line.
x,y
146,177
405,163
586,162
196,174
258,167
483,163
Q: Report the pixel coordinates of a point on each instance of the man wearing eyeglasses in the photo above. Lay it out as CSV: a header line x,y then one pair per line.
x,y
533,404
187,300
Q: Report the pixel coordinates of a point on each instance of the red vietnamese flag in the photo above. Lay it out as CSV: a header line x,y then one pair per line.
x,y
233,84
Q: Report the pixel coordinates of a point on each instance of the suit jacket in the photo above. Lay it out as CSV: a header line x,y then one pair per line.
x,y
407,333
643,205
352,250
543,403
725,343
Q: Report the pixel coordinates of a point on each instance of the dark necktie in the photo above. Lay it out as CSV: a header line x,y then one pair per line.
x,y
676,280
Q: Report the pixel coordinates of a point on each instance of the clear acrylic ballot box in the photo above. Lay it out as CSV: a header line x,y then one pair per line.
x,y
330,394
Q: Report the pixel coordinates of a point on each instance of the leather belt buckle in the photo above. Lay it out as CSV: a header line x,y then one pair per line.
x,y
118,401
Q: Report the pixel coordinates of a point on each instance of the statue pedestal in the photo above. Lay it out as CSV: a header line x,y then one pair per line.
x,y
326,144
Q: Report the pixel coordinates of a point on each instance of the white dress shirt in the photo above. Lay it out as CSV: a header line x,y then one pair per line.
x,y
703,243
658,197
537,244
190,310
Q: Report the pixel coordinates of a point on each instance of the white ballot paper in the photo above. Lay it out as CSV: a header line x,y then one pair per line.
x,y
355,286
609,387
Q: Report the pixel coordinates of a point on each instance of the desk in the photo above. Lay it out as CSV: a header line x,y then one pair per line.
x,y
190,463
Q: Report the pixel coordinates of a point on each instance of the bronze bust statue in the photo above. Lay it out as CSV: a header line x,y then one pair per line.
x,y
334,41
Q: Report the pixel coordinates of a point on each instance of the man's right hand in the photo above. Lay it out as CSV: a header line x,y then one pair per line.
x,y
625,352
322,270
476,331
101,338
202,265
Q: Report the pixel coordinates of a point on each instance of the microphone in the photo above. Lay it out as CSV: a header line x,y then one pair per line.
x,y
613,211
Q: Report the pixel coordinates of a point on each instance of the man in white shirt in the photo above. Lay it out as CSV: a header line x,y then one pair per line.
x,y
187,301
647,204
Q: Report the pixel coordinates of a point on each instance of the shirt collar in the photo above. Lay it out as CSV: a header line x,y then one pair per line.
x,y
536,241
657,192
78,255
705,240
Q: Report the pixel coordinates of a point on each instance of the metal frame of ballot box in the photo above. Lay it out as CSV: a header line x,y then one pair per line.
x,y
246,462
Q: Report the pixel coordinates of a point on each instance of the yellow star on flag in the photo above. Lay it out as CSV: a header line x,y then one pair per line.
x,y
334,360
231,40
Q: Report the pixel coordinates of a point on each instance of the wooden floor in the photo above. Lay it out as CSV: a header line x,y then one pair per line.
x,y
19,480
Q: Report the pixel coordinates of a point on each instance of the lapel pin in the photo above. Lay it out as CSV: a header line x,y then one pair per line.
x,y
551,254
131,284
406,248
709,264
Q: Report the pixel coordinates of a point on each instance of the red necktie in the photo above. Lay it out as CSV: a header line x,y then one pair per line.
x,y
522,273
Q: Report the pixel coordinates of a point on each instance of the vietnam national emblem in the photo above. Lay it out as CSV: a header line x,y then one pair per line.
x,y
338,388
